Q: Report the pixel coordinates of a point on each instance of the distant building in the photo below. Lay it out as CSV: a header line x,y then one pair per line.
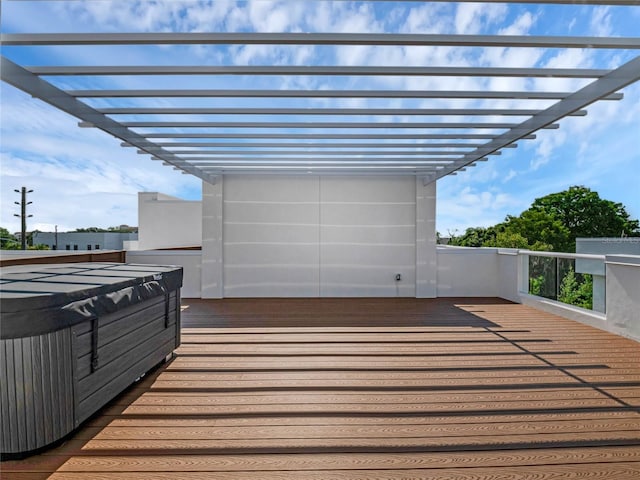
x,y
609,246
83,240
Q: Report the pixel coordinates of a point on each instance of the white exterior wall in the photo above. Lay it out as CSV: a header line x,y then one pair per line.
x,y
507,281
312,236
367,236
189,260
168,222
426,254
623,295
212,260
271,235
602,246
467,272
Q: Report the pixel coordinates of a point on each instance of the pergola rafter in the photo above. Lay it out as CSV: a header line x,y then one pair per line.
x,y
326,111
329,70
438,94
331,39
383,143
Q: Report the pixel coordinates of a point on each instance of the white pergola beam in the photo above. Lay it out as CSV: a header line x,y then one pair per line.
x,y
462,94
333,136
334,39
349,71
22,79
325,111
274,153
329,171
337,162
296,155
315,145
619,78
341,125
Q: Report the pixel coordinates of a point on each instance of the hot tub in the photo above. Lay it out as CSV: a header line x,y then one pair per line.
x,y
72,337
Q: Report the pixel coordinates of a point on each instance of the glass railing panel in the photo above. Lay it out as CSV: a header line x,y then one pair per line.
x,y
576,280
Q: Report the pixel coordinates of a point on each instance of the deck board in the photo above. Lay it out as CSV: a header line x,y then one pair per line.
x,y
368,389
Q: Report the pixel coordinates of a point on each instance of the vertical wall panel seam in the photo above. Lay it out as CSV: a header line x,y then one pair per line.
x,y
320,294
220,240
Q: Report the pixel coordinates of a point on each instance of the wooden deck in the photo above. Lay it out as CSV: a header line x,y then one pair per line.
x,y
368,389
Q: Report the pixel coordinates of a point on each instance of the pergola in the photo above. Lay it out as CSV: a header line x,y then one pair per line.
x,y
290,140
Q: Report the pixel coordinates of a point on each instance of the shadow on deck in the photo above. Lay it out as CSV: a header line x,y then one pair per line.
x,y
368,389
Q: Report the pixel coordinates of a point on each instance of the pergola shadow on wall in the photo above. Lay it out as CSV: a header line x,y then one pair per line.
x,y
292,160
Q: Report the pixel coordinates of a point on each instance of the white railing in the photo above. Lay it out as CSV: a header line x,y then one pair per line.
x,y
506,273
571,278
494,272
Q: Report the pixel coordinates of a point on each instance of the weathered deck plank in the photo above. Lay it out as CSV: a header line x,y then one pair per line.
x,y
368,389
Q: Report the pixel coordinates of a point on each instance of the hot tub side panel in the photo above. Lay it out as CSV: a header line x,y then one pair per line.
x,y
37,390
129,343
82,337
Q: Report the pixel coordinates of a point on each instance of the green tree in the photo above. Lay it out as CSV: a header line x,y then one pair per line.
x,y
90,230
554,222
508,239
123,229
585,214
38,246
576,292
119,229
8,241
542,230
474,237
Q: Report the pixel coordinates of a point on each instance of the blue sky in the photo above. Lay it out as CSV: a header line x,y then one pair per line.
x,y
82,177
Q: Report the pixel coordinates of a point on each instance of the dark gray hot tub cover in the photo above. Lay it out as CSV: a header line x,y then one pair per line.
x,y
37,299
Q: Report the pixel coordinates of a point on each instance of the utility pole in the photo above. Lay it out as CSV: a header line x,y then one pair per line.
x,y
23,214
56,245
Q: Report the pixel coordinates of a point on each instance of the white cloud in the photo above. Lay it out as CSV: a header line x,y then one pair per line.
x,y
548,143
80,177
565,58
601,22
273,16
511,174
458,208
520,26
97,171
429,18
472,18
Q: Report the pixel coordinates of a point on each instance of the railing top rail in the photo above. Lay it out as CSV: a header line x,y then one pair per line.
x,y
585,256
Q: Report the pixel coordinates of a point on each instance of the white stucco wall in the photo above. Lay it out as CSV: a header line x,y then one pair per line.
x,y
367,236
168,222
270,235
426,255
212,259
467,272
623,295
317,236
507,281
189,260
